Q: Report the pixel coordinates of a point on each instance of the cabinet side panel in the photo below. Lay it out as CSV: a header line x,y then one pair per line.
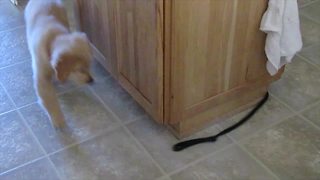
x,y
216,48
200,38
248,57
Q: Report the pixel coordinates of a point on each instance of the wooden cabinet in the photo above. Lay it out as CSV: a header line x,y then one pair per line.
x,y
187,62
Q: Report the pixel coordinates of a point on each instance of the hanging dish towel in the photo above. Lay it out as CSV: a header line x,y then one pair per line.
x,y
282,25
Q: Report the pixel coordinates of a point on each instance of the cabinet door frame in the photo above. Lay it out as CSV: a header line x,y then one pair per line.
x,y
153,106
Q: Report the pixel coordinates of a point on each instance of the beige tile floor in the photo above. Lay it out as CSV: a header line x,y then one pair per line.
x,y
110,137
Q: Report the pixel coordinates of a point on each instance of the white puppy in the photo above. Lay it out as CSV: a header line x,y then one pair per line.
x,y
55,52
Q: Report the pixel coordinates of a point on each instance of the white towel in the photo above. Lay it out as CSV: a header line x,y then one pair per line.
x,y
281,23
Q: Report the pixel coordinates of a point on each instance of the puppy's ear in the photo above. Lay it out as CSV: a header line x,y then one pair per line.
x,y
63,66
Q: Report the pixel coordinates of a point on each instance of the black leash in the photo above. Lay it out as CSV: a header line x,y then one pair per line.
x,y
185,144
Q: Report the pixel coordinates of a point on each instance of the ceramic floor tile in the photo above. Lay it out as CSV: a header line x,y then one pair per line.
x,y
312,11
5,103
18,82
291,149
165,178
17,146
304,2
118,100
98,72
232,163
313,114
85,117
158,141
312,53
10,16
310,31
39,170
13,47
299,85
273,111
111,156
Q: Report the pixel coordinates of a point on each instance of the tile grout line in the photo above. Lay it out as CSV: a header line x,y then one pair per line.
x,y
311,106
291,109
14,64
285,118
68,90
47,155
200,159
37,141
238,142
311,18
128,132
298,113
12,29
35,102
244,139
117,126
294,113
309,122
31,132
307,60
307,4
134,120
265,167
144,150
22,165
164,178
14,109
29,129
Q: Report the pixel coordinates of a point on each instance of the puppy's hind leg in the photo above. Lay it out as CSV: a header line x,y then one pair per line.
x,y
48,99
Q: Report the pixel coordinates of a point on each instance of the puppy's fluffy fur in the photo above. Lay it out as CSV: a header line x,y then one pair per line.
x,y
55,51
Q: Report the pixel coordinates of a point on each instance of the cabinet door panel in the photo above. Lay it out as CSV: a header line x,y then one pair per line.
x,y
140,51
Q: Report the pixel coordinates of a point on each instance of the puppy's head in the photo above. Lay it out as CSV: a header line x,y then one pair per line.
x,y
71,58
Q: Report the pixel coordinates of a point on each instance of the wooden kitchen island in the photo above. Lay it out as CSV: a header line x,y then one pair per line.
x,y
187,62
